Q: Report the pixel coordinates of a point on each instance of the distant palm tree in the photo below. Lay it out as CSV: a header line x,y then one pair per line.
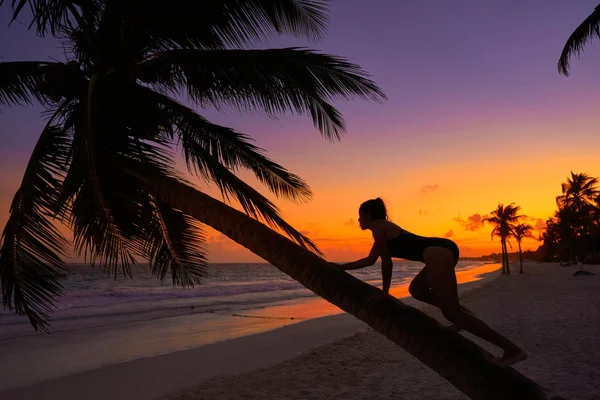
x,y
504,219
583,34
578,208
580,192
520,232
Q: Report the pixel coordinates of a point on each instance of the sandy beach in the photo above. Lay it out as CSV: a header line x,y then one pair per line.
x,y
552,314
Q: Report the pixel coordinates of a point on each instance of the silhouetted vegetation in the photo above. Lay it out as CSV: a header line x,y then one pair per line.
x,y
573,232
505,219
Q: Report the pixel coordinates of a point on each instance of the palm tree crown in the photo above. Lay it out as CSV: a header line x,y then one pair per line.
x,y
580,193
114,126
503,218
522,231
580,37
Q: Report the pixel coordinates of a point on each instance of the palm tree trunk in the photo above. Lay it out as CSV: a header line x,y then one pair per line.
x,y
457,359
506,253
503,257
520,257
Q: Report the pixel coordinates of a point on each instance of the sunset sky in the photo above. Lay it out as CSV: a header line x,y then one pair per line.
x,y
477,114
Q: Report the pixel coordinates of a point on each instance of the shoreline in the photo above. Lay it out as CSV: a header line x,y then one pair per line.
x,y
284,340
552,314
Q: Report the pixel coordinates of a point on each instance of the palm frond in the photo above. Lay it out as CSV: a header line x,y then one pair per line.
x,y
20,82
218,24
274,81
229,147
247,21
252,202
175,242
52,15
576,43
30,261
108,208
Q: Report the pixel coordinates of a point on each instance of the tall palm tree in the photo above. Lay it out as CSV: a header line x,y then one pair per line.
x,y
504,219
111,110
520,232
104,162
582,35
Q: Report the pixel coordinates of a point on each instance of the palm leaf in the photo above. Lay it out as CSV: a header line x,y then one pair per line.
x,y
252,202
31,245
218,24
576,43
109,209
176,242
250,20
229,147
20,82
273,81
54,15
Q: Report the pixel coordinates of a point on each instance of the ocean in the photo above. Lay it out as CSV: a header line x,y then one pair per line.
x,y
100,321
228,289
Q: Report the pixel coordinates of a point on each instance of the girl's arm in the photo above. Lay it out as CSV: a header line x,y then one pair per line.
x,y
386,273
379,248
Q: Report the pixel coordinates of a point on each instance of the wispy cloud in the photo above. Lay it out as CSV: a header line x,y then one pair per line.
x,y
422,212
472,223
539,224
429,188
349,222
449,234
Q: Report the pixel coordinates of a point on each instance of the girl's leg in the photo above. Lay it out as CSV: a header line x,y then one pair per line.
x,y
420,290
442,279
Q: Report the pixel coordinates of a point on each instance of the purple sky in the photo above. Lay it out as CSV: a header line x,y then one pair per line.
x,y
428,56
464,79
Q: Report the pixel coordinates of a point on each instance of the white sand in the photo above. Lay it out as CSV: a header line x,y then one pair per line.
x,y
155,376
554,315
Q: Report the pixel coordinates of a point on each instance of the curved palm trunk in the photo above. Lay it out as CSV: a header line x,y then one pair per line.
x,y
451,355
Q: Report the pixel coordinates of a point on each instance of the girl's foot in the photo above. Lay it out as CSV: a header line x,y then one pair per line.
x,y
511,357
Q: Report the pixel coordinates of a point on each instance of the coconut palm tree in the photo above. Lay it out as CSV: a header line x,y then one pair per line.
x,y
583,34
579,192
104,164
111,110
577,207
504,219
520,232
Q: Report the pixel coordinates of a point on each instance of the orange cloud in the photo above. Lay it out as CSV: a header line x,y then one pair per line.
x,y
429,188
449,234
473,222
422,212
540,224
349,222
